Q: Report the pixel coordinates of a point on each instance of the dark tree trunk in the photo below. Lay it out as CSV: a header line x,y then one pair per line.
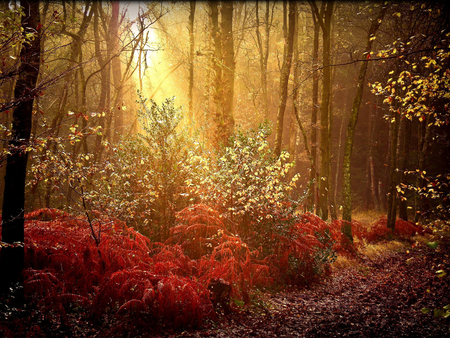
x,y
11,261
406,139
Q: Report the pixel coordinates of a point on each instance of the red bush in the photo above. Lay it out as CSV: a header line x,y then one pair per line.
x,y
126,275
379,230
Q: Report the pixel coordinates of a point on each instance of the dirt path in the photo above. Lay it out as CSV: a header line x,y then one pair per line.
x,y
381,298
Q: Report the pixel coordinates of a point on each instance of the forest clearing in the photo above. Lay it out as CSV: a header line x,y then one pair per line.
x,y
224,169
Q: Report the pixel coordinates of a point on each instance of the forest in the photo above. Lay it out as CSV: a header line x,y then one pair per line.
x,y
224,168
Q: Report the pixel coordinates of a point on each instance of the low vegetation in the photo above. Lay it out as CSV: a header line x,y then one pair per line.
x,y
112,279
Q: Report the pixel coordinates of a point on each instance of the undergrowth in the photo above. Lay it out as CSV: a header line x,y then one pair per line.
x,y
126,283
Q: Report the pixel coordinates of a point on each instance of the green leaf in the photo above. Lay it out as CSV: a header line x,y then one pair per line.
x,y
425,310
438,312
432,245
440,273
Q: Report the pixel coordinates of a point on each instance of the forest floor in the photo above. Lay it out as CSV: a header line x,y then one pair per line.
x,y
380,292
379,296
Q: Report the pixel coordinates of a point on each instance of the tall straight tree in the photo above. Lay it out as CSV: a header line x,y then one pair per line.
x,y
191,59
325,24
348,147
113,50
313,174
225,118
12,255
263,47
284,80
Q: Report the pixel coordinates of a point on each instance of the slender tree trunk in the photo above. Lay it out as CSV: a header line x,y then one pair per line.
x,y
338,161
373,189
406,139
284,81
263,47
216,70
105,85
392,200
226,120
348,148
324,114
11,260
113,50
191,60
313,174
424,136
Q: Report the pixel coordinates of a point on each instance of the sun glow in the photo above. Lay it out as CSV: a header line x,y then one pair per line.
x,y
154,74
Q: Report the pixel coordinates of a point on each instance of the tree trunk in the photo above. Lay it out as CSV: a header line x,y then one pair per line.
x,y
348,148
392,200
105,85
324,114
226,120
191,60
113,50
373,189
216,64
263,48
11,261
424,135
406,139
284,80
313,174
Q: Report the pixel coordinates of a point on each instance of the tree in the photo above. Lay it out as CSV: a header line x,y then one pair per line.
x,y
12,255
191,59
225,117
325,24
284,77
313,174
347,192
113,48
263,47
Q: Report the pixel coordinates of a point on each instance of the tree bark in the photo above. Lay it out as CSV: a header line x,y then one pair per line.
x,y
226,120
313,174
406,140
12,256
324,113
191,60
284,80
113,50
348,148
263,47
424,135
392,200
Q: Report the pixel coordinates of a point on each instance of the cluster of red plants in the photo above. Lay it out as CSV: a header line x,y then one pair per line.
x,y
113,274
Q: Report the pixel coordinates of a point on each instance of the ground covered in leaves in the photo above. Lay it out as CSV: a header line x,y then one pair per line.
x,y
376,298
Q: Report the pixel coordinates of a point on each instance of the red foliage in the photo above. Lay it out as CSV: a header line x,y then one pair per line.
x,y
197,230
129,280
380,230
221,255
294,259
125,275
